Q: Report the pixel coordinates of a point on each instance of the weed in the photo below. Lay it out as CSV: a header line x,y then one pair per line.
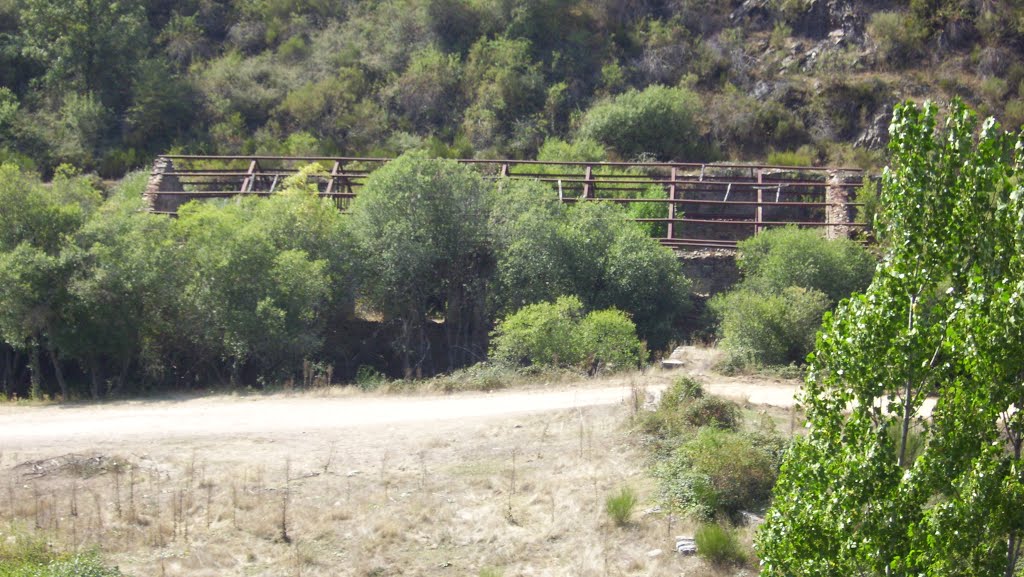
x,y
719,545
620,506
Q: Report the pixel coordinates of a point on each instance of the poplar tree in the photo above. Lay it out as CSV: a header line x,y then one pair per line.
x,y
878,486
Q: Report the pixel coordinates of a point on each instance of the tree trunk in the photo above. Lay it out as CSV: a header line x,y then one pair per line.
x,y
94,381
126,363
908,389
58,373
35,372
8,370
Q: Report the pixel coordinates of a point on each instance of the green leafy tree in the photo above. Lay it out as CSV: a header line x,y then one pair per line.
x,y
802,257
593,250
34,265
422,227
123,305
943,317
88,46
253,300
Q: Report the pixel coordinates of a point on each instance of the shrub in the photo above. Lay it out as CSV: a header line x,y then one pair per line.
x,y
768,328
682,409
557,334
620,506
24,555
718,473
719,545
712,412
658,121
793,256
898,39
608,340
545,250
540,334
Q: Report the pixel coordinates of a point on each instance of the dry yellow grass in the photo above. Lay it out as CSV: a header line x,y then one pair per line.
x,y
520,495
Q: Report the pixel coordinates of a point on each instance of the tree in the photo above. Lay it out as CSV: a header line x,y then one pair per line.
x,y
422,226
659,121
123,293
943,317
86,46
593,250
252,298
35,227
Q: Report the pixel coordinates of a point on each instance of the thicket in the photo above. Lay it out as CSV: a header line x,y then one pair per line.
x,y
791,277
682,80
100,297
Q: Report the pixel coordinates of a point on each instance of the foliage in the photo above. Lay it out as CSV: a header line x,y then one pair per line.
x,y
559,335
26,555
683,407
791,256
899,41
593,250
718,473
421,227
540,334
608,340
658,120
790,278
942,318
719,545
769,328
620,506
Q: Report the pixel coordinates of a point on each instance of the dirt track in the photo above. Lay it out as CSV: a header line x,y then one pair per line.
x,y
72,426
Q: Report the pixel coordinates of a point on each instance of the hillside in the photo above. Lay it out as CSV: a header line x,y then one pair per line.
x,y
107,87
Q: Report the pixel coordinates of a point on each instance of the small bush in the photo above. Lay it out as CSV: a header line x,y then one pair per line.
x,y
713,412
540,334
24,555
608,340
792,256
760,329
620,506
558,335
719,473
659,121
898,39
684,407
719,545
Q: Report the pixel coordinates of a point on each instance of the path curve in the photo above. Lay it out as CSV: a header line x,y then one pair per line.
x,y
233,415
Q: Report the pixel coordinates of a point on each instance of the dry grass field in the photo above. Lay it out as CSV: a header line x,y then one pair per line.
x,y
509,492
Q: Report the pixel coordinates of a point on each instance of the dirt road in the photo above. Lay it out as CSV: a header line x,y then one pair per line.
x,y
74,425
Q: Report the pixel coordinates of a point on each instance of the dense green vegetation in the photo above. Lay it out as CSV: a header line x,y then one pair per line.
x,y
99,297
791,277
879,486
105,86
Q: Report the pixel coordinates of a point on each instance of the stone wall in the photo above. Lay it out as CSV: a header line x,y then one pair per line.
x,y
160,181
711,270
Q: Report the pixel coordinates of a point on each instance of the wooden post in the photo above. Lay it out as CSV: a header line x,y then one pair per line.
x,y
588,190
672,206
334,175
504,170
759,213
249,178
